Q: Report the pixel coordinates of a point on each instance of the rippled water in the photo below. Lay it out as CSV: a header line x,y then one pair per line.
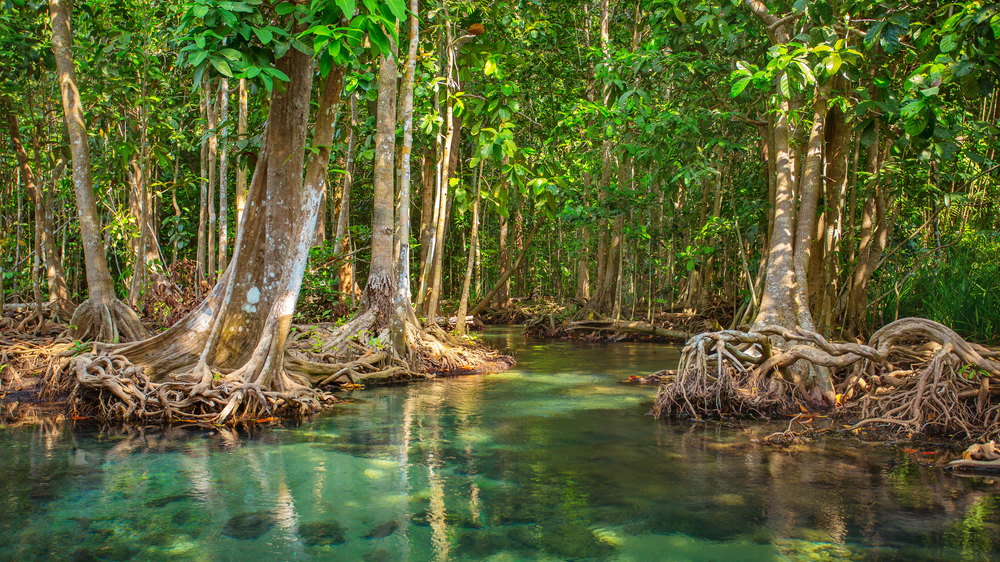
x,y
552,460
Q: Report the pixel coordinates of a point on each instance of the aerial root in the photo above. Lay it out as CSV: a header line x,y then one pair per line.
x,y
121,390
914,376
108,385
717,376
354,354
111,322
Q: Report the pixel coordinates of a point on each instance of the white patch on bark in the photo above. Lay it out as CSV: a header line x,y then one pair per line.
x,y
253,295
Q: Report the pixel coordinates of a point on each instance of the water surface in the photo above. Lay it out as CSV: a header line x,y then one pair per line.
x,y
552,460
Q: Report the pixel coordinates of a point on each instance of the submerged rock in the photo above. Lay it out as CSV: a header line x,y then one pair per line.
x,y
322,533
166,500
574,540
249,525
383,530
380,555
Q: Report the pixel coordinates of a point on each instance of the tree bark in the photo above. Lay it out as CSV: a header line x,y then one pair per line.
x,y
241,169
211,271
463,301
103,317
403,304
232,346
381,275
223,173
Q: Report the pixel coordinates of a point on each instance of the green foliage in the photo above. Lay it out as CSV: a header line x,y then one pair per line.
x,y
959,287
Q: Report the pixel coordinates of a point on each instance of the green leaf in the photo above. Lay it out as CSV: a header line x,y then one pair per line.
x,y
231,54
284,8
869,135
398,9
833,63
901,20
380,40
949,42
738,87
874,34
785,86
986,12
890,39
348,7
277,74
264,35
970,86
680,16
916,124
222,66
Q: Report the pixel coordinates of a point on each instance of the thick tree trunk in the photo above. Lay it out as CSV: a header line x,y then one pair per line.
x,y
811,186
381,275
103,317
230,350
402,302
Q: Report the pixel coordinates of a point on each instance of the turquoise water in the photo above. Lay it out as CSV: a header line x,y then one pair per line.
x,y
552,460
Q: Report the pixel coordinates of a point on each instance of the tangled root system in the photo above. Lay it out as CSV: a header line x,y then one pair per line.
x,y
914,376
109,321
106,384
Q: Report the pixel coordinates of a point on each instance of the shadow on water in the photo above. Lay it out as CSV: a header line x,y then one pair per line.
x,y
553,460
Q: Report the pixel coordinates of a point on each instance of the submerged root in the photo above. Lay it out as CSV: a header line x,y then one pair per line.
x,y
111,321
914,376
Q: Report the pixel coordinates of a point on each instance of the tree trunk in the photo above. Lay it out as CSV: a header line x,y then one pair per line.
x,y
403,305
343,235
103,317
58,290
223,173
211,272
463,301
381,275
230,350
434,283
241,169
507,272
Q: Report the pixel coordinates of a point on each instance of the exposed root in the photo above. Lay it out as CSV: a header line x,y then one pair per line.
x,y
914,376
109,321
38,316
717,376
120,390
107,385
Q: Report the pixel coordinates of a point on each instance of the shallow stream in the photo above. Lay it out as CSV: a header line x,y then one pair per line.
x,y
552,460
